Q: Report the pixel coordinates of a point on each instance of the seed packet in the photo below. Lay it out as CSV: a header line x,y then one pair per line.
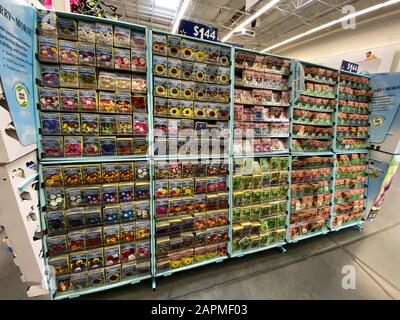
x,y
140,146
95,259
48,49
92,196
74,197
140,124
110,193
104,34
50,123
68,51
86,31
110,172
127,213
223,75
52,176
142,230
112,255
107,124
107,104
127,252
200,91
128,270
188,49
111,214
224,56
90,123
70,123
76,241
138,40
108,146
138,60
113,274
87,54
96,277
200,71
122,37
125,192
142,191
127,230
123,102
57,245
111,235
87,100
142,209
211,73
47,24
56,222
200,52
123,82
122,59
63,283
159,44
174,67
174,88
106,81
142,171
49,99
139,83
91,146
93,216
105,57
75,218
124,124
73,146
91,174
160,65
67,29
69,100
50,75
93,237
125,172
212,53
60,264
174,46
69,76
161,189
55,199
160,86
87,77
53,147
125,146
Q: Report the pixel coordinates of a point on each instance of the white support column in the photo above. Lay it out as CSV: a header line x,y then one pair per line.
x,y
19,214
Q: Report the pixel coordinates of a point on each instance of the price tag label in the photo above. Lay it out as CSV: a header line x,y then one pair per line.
x,y
349,66
197,30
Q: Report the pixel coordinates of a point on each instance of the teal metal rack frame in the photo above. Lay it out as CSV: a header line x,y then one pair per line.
x,y
151,158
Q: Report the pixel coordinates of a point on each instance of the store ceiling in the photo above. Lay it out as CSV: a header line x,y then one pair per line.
x,y
286,19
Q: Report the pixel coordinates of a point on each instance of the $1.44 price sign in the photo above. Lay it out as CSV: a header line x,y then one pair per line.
x,y
197,30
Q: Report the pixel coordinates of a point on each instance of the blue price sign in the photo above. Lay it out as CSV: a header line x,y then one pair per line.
x,y
197,30
349,66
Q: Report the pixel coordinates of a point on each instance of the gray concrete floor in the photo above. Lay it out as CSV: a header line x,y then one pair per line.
x,y
310,269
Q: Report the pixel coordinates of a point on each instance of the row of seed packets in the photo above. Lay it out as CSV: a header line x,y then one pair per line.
x,y
96,173
88,77
90,146
107,194
189,90
49,25
62,221
52,99
186,70
175,47
54,123
100,276
87,54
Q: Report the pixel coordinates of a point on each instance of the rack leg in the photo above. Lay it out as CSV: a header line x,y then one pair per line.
x,y
359,227
282,249
153,284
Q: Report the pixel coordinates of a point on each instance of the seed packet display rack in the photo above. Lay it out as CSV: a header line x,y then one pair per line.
x,y
74,284
187,65
231,157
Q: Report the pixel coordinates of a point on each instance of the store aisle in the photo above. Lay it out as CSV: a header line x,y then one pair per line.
x,y
311,269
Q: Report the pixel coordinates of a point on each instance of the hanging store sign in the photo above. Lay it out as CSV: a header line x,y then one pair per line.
x,y
349,66
197,30
16,58
298,79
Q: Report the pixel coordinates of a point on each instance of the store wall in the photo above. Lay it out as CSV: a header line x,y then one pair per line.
x,y
380,33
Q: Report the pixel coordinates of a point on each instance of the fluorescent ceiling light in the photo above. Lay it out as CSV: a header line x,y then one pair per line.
x,y
329,24
167,4
181,12
268,6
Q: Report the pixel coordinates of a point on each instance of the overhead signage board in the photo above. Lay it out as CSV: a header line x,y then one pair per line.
x,y
198,30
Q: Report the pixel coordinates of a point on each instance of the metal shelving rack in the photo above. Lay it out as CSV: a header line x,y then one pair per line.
x,y
152,159
156,158
50,272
